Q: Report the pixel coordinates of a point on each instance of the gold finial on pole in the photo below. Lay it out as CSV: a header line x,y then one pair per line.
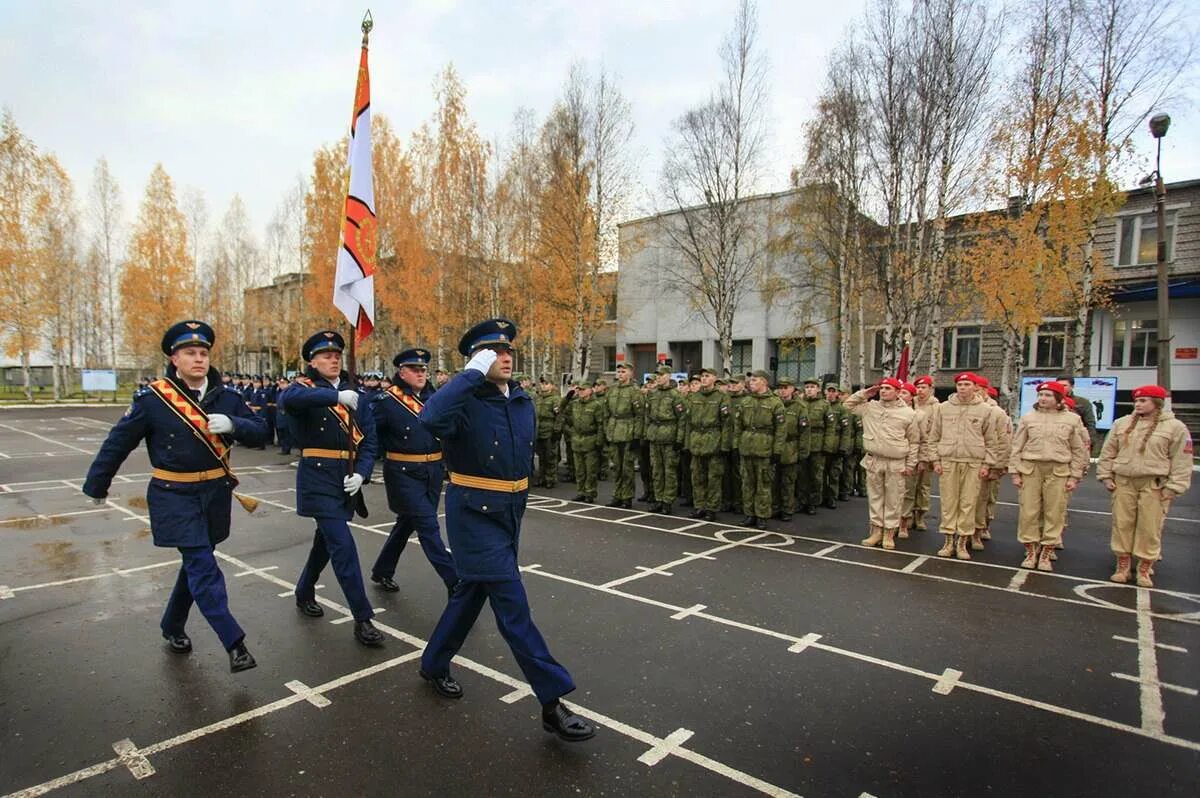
x,y
367,24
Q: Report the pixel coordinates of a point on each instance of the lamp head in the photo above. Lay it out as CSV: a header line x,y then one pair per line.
x,y
1159,124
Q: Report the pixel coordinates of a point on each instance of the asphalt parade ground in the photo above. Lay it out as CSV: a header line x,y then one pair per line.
x,y
716,660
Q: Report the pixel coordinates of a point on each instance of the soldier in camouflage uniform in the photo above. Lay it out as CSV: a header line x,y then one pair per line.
x,y
846,445
811,476
795,449
566,411
759,429
623,430
707,432
836,420
684,467
600,394
733,465
587,426
858,485
664,409
643,447
548,427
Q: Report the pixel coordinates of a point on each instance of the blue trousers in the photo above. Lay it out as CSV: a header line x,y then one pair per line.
x,y
430,537
510,605
200,581
334,543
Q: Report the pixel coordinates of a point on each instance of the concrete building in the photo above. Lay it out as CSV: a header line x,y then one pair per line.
x,y
774,329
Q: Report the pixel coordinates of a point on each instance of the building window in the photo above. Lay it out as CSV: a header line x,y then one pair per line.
x,y
1047,346
1137,242
878,347
960,347
610,358
739,355
1135,344
795,358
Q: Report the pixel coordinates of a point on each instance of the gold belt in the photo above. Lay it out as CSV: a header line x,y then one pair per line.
x,y
255,407
414,458
486,483
336,454
188,476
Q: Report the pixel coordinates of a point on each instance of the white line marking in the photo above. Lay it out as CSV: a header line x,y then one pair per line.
x,y
915,564
304,691
113,572
1177,649
6,592
804,642
44,438
1018,579
1151,696
699,555
688,526
530,567
692,610
582,509
257,571
132,758
948,681
516,695
662,569
633,517
349,618
828,550
663,749
1145,683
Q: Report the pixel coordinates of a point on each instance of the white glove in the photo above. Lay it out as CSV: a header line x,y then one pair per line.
x,y
349,399
219,424
352,484
482,361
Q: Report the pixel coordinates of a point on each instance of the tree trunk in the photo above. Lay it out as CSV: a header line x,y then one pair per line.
x,y
26,375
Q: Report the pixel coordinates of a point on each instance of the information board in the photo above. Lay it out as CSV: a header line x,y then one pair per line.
x,y
1100,391
99,380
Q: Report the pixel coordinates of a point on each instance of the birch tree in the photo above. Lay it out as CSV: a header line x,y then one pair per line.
x,y
714,156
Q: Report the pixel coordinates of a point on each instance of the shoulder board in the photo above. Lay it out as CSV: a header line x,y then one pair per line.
x,y
140,392
305,381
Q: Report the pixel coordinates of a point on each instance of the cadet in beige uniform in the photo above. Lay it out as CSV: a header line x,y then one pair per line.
x,y
989,491
924,401
1049,458
892,443
907,394
1146,462
963,445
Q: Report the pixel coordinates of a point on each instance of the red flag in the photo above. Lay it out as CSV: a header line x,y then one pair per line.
x,y
902,369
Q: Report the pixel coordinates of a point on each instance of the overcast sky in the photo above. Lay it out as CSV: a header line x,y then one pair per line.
x,y
233,96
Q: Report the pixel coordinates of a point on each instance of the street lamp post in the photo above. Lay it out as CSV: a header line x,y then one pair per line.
x,y
1158,128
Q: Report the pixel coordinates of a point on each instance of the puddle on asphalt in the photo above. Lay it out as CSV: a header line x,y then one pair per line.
x,y
60,555
137,501
34,522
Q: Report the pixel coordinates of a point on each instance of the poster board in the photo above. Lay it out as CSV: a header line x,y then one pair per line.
x,y
99,380
1100,391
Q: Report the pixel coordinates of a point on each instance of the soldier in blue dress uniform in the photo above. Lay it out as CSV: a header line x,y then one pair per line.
x,y
333,432
486,424
412,470
281,419
187,421
270,402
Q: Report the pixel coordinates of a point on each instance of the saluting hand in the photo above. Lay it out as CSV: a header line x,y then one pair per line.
x,y
482,361
348,399
220,424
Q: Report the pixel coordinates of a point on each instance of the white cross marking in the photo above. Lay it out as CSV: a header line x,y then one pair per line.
x,y
310,695
661,751
804,642
132,758
945,684
692,610
349,618
516,695
6,592
257,571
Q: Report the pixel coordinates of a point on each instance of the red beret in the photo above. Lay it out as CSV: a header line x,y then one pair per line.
x,y
1069,402
982,381
1152,391
968,376
912,389
992,392
892,381
1059,388
923,380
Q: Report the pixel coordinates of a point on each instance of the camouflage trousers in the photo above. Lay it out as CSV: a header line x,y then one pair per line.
x,y
664,464
587,469
757,477
811,479
833,476
785,487
708,481
624,456
547,452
